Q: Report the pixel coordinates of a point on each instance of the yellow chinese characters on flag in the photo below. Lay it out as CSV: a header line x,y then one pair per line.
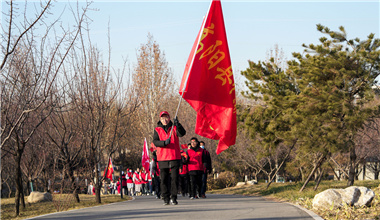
x,y
208,84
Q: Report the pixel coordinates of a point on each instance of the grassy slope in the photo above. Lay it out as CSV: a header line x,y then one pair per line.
x,y
289,192
60,202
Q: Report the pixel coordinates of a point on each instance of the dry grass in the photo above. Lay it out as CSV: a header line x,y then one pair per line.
x,y
289,192
61,202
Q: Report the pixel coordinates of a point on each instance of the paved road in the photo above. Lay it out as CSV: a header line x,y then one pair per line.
x,y
213,207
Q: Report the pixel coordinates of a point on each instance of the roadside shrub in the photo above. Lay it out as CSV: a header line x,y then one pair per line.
x,y
225,179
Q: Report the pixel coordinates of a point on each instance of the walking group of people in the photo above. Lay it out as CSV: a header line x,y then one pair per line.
x,y
134,183
180,172
172,171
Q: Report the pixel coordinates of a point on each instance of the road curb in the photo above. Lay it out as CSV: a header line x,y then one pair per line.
x,y
311,213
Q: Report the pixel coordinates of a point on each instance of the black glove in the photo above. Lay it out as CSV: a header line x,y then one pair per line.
x,y
167,141
176,122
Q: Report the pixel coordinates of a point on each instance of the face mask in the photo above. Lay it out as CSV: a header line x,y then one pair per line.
x,y
203,147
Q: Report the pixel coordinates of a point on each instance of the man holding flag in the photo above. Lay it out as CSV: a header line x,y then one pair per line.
x,y
208,83
165,138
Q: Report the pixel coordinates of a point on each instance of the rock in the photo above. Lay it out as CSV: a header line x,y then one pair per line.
x,y
251,182
349,195
327,199
240,184
335,198
365,196
35,197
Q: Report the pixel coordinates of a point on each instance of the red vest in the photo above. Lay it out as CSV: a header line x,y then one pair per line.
x,y
124,181
138,178
184,170
170,151
195,159
184,166
143,178
157,170
130,176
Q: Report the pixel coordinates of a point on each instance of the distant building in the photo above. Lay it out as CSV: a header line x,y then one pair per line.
x,y
369,170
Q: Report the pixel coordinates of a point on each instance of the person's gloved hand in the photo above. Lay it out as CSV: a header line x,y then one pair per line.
x,y
176,122
167,141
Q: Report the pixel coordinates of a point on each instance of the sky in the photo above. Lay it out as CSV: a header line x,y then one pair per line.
x,y
253,27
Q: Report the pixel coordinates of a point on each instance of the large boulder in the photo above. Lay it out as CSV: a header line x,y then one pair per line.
x,y
240,184
365,196
35,197
336,198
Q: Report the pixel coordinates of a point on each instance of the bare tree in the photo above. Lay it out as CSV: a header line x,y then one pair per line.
x,y
153,81
29,68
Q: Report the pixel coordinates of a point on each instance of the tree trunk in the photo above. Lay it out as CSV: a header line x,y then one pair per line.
x,y
9,188
282,163
302,174
318,180
340,168
97,186
22,196
74,185
335,174
18,182
351,174
317,165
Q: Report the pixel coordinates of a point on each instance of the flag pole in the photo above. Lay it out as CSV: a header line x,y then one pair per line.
x,y
191,64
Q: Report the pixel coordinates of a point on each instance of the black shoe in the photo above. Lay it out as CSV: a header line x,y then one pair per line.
x,y
166,202
174,202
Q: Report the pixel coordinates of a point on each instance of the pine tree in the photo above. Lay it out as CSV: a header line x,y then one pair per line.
x,y
320,100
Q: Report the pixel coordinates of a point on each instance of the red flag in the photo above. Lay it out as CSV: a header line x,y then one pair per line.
x,y
152,147
145,156
184,146
109,170
208,84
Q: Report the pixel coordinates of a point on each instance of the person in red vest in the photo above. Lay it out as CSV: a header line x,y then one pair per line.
x,y
183,175
168,154
144,181
207,170
150,186
124,183
196,161
137,181
118,186
130,181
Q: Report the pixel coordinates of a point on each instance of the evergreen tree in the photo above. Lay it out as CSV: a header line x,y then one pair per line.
x,y
320,100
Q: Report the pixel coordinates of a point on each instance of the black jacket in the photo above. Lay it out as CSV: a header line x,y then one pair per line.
x,y
156,139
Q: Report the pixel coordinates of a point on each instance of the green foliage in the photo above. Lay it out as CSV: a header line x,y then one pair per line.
x,y
320,100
